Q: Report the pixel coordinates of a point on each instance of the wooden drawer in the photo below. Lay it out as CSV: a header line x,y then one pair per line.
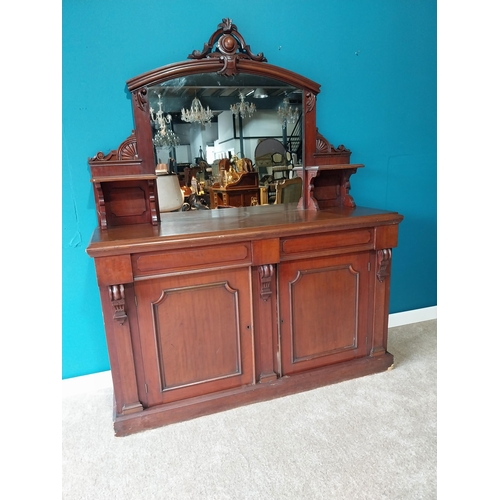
x,y
191,259
332,243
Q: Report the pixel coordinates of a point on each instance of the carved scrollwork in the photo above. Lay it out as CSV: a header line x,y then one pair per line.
x,y
227,41
117,297
266,273
141,99
310,101
383,261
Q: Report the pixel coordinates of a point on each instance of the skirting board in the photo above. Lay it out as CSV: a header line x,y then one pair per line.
x,y
414,316
102,380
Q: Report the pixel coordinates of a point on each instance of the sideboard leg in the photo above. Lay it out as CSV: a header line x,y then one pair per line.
x,y
381,291
118,337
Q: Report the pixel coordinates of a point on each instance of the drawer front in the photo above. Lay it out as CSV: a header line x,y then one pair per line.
x,y
326,244
209,257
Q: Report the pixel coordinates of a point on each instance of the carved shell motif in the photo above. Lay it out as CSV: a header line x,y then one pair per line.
x,y
126,151
323,146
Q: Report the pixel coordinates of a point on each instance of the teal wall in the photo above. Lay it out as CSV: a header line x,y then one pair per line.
x,y
375,61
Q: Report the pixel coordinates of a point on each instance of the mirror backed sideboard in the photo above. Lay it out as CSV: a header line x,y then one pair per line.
x,y
230,303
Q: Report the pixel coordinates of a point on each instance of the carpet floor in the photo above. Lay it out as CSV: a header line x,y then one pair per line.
x,y
369,438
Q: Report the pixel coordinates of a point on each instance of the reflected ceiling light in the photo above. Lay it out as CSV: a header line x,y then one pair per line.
x,y
164,136
287,113
197,114
243,108
259,93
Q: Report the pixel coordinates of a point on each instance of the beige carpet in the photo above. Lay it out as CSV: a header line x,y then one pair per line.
x,y
369,438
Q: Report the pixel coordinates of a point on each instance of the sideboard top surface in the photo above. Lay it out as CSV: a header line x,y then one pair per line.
x,y
188,229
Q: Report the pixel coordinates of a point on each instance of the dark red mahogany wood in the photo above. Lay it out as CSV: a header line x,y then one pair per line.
x,y
210,310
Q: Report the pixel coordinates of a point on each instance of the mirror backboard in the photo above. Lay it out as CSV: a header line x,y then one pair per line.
x,y
224,74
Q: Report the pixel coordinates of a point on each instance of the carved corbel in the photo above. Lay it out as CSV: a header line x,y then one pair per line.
x,y
266,273
152,203
383,261
117,297
345,187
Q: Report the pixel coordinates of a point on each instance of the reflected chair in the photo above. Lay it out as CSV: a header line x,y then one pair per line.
x,y
289,191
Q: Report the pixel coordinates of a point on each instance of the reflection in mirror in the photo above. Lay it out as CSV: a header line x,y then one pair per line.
x,y
219,132
208,117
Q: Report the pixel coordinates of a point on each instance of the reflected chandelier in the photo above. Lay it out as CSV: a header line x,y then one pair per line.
x,y
197,113
165,136
287,113
243,108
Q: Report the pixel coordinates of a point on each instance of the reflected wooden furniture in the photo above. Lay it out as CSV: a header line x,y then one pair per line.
x,y
289,191
209,310
245,192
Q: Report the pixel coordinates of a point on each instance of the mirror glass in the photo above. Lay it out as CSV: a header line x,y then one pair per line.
x,y
271,110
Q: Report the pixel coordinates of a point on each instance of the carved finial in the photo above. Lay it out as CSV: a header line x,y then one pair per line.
x,y
227,25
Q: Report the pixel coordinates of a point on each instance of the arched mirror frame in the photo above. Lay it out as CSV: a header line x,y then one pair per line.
x,y
124,180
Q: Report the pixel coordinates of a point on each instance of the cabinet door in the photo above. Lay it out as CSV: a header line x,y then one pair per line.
x,y
323,311
196,333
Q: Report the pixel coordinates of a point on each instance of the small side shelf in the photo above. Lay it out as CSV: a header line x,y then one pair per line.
x,y
328,186
124,192
125,200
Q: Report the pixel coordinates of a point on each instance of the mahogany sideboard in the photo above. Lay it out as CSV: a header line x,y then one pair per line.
x,y
255,303
212,309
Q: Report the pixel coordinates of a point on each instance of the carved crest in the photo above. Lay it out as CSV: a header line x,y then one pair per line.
x,y
228,46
